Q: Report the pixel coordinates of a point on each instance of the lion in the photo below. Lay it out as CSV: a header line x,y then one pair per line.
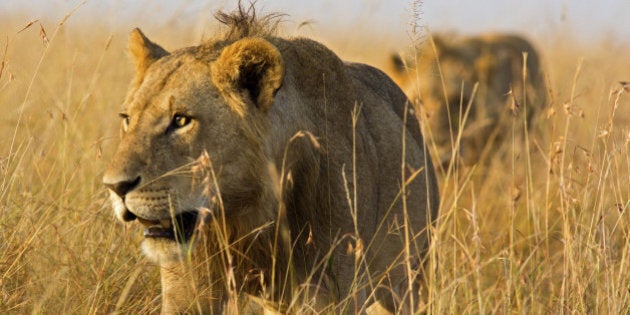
x,y
267,169
470,82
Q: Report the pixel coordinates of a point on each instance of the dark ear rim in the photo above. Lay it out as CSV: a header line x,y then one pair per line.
x,y
249,69
399,63
144,52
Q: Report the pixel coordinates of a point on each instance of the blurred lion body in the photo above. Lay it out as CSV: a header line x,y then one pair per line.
x,y
493,61
298,142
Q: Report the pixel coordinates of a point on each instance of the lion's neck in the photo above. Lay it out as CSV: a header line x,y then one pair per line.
x,y
221,265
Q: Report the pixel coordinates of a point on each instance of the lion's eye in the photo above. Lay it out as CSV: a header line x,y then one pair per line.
x,y
180,121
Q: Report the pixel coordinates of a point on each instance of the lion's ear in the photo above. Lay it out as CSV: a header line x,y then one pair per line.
x,y
249,68
144,52
400,65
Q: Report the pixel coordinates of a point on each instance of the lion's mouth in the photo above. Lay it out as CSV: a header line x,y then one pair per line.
x,y
179,228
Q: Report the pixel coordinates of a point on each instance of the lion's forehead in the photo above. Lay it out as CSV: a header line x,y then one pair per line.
x,y
178,81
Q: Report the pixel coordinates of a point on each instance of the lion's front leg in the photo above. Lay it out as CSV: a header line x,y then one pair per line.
x,y
183,293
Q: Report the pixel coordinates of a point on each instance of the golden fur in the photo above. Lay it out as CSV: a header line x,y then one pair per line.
x,y
495,63
272,201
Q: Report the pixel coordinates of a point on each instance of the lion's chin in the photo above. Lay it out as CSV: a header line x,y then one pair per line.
x,y
164,251
168,240
179,228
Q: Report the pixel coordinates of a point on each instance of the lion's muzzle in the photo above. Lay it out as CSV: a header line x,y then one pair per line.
x,y
179,227
121,187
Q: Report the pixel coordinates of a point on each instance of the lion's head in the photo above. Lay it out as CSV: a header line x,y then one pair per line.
x,y
181,105
470,82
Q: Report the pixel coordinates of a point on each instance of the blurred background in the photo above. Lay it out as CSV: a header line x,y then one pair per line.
x,y
587,19
391,23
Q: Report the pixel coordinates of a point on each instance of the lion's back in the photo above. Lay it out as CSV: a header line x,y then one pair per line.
x,y
507,55
357,114
322,93
392,121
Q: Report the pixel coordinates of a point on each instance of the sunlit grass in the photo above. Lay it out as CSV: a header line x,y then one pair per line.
x,y
547,231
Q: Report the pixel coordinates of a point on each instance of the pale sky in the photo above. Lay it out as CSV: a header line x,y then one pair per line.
x,y
584,19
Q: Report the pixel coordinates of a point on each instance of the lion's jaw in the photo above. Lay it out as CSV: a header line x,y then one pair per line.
x,y
167,230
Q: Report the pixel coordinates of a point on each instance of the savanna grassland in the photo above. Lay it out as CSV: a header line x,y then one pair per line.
x,y
545,231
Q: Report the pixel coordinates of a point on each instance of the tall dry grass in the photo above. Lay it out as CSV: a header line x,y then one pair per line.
x,y
547,231
60,249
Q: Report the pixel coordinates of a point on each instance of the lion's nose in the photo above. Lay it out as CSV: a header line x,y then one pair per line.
x,y
121,188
